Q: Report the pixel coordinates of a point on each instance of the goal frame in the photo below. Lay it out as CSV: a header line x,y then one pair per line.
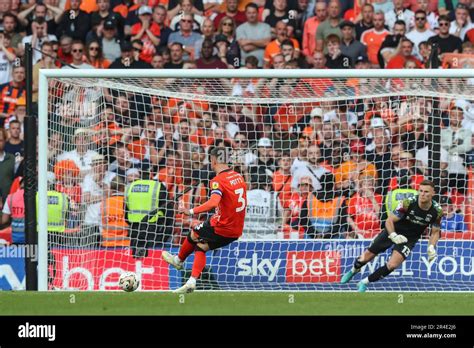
x,y
45,74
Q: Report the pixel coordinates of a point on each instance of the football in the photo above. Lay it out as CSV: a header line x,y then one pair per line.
x,y
129,282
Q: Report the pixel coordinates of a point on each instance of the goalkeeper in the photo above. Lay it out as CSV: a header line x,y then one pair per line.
x,y
403,229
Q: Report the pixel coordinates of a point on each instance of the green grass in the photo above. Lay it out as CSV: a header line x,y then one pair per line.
x,y
234,303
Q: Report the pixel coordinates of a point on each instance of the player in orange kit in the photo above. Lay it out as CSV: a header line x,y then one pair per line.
x,y
229,198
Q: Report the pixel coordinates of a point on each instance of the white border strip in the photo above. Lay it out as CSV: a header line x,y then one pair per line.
x,y
256,73
42,210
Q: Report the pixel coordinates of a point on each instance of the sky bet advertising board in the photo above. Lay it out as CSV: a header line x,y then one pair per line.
x,y
262,265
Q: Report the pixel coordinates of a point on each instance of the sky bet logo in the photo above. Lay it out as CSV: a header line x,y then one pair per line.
x,y
301,266
313,266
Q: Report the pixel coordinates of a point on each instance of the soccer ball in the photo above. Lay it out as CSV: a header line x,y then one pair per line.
x,y
128,281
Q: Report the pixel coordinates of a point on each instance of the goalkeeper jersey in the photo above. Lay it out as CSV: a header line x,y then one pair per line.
x,y
415,220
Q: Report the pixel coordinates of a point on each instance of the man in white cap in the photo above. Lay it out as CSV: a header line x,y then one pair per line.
x,y
132,174
81,155
265,165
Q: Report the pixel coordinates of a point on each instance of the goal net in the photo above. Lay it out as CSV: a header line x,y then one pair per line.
x,y
326,156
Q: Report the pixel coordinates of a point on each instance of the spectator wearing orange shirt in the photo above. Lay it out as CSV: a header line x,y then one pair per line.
x,y
172,174
282,180
108,132
148,32
399,60
415,5
364,209
310,29
231,11
350,171
193,193
125,7
10,92
65,49
373,38
274,47
68,181
470,35
411,64
94,55
204,136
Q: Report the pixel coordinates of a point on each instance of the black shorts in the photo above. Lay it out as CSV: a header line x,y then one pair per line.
x,y
382,243
207,234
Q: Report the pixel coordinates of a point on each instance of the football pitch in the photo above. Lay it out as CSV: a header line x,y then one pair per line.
x,y
235,303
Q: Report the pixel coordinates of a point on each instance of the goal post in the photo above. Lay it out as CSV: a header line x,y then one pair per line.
x,y
276,252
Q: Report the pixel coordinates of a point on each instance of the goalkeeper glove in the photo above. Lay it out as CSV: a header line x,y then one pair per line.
x,y
397,238
431,253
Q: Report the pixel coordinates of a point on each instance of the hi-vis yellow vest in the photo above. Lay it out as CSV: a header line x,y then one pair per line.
x,y
58,206
143,197
394,197
323,215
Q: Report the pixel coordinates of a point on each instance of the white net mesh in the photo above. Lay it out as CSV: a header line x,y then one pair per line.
x,y
352,141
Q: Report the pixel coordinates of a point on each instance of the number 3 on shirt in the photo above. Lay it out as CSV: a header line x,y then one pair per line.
x,y
241,200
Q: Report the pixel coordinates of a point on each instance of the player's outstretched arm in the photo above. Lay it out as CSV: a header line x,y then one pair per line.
x,y
212,203
392,234
433,241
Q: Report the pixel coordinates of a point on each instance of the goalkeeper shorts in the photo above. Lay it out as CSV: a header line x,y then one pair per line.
x,y
382,243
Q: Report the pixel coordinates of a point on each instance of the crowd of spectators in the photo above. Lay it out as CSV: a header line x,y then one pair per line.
x,y
342,157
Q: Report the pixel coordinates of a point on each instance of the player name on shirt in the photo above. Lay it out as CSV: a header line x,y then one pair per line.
x,y
236,181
